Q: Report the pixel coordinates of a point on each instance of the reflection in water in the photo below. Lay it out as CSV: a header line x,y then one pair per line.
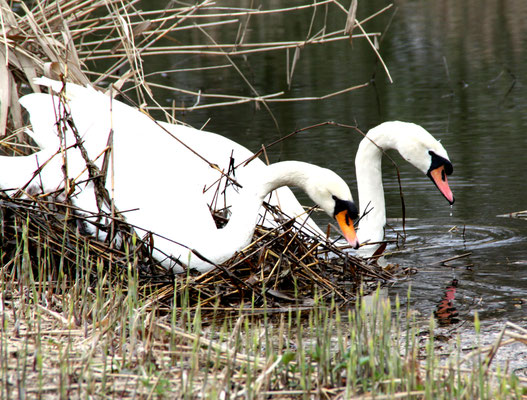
x,y
446,313
486,261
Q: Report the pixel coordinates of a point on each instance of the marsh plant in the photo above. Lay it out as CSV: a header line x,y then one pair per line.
x,y
90,332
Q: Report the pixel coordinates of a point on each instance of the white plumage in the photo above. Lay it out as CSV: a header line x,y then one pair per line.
x,y
162,181
156,177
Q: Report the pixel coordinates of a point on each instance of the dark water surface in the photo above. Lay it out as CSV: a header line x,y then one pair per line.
x,y
460,70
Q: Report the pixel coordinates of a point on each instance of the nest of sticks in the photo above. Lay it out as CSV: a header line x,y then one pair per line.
x,y
283,266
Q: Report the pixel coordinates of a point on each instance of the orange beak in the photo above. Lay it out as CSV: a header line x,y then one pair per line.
x,y
346,226
438,176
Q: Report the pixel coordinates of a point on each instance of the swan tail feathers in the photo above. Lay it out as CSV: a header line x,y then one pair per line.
x,y
22,170
43,81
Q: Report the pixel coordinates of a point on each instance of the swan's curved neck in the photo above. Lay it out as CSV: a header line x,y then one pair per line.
x,y
238,232
369,184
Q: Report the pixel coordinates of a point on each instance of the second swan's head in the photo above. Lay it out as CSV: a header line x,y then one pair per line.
x,y
333,195
417,146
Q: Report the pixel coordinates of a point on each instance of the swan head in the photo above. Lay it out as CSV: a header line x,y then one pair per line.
x,y
417,146
439,168
333,195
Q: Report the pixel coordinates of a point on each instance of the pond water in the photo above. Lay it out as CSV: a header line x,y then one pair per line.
x,y
460,70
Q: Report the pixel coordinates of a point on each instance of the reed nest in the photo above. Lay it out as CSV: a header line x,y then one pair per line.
x,y
282,267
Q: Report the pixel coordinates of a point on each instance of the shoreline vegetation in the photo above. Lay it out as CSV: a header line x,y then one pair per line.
x,y
290,317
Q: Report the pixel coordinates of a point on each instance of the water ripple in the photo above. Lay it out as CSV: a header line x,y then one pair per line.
x,y
468,237
490,272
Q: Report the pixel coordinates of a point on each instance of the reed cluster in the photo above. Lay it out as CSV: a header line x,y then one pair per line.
x,y
95,333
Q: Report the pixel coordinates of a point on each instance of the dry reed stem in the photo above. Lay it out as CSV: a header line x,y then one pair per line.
x,y
51,39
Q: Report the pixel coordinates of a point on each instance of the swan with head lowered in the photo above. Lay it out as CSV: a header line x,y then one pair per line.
x,y
416,146
156,181
152,170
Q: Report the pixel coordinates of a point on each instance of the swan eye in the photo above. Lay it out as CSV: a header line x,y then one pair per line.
x,y
438,161
345,205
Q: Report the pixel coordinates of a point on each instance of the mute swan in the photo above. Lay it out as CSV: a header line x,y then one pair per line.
x,y
164,195
95,114
139,145
416,146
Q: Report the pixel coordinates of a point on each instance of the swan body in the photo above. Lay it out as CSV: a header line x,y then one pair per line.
x,y
146,143
156,181
323,186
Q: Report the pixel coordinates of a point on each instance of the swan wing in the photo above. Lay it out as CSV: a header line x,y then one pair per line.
x,y
219,150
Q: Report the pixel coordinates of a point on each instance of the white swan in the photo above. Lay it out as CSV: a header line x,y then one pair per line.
x,y
95,114
139,145
156,178
416,146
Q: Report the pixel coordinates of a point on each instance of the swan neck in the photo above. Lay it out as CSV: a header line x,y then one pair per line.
x,y
368,164
239,231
